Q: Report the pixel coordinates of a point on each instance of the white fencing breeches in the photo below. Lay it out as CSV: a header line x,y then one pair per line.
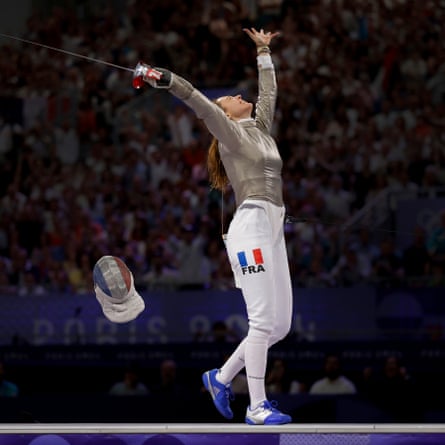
x,y
257,252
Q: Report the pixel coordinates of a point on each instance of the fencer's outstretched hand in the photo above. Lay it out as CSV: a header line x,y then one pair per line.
x,y
156,77
261,38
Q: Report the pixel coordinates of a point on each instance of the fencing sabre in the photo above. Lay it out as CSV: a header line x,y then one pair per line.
x,y
141,73
69,53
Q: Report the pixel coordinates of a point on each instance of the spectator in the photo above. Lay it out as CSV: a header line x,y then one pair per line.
x,y
365,246
192,266
351,268
67,143
130,385
30,284
180,123
160,276
316,273
338,200
333,382
168,383
221,334
280,381
387,266
393,389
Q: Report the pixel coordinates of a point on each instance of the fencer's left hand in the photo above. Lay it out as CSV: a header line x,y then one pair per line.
x,y
261,38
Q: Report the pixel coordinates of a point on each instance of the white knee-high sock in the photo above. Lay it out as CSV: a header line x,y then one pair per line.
x,y
256,359
251,353
233,365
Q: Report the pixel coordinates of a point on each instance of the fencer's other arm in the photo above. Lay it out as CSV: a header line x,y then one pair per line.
x,y
267,84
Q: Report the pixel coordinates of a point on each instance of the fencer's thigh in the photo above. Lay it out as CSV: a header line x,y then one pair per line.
x,y
250,251
282,290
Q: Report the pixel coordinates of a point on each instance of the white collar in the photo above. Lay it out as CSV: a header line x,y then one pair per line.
x,y
246,119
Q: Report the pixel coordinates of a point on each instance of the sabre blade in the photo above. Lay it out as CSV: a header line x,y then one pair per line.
x,y
69,53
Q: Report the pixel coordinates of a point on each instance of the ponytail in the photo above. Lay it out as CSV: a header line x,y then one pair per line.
x,y
217,174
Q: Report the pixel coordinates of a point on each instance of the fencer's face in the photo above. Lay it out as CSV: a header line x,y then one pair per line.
x,y
235,107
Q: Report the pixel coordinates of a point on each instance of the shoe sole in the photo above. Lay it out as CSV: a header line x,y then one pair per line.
x,y
209,388
251,422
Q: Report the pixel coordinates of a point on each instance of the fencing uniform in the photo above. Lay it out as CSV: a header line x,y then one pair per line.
x,y
255,239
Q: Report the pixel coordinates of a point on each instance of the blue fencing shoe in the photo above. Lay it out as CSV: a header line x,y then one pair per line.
x,y
221,394
266,414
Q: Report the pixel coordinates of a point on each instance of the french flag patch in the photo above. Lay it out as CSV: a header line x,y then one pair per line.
x,y
251,261
250,257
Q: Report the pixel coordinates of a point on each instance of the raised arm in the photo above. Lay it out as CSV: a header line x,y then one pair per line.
x,y
267,84
213,116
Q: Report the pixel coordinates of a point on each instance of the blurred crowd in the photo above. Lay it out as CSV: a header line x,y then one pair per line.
x,y
90,166
386,384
